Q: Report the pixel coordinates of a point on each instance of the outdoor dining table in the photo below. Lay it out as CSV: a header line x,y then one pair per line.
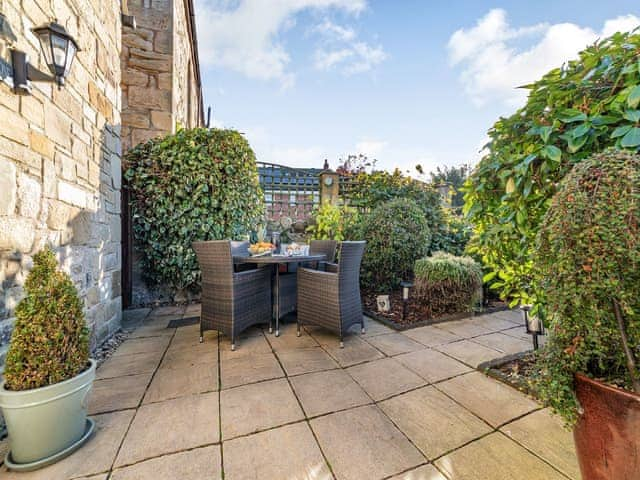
x,y
276,261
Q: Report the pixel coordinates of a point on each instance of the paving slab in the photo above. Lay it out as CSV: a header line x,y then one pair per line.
x,y
118,393
185,338
490,399
330,391
471,353
142,345
433,422
288,452
249,369
513,316
432,365
503,343
171,426
259,406
290,341
431,336
197,464
394,344
355,351
426,472
193,309
384,378
134,315
373,327
252,345
180,357
464,328
94,457
363,443
544,434
495,457
173,383
152,330
168,310
299,361
119,366
492,322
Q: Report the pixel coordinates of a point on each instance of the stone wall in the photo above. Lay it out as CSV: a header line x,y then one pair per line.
x,y
60,162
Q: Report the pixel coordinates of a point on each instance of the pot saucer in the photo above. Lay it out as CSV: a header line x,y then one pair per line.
x,y
89,429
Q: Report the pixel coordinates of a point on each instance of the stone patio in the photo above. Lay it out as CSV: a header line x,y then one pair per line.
x,y
400,406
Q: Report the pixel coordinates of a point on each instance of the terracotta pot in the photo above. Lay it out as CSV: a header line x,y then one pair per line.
x,y
607,434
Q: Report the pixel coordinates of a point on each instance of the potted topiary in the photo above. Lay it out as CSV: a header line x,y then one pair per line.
x,y
48,373
588,270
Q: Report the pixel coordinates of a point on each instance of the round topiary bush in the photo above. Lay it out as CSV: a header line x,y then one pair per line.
x,y
588,265
50,341
448,284
397,233
198,184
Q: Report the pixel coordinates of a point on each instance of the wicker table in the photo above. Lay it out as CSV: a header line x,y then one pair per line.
x,y
276,261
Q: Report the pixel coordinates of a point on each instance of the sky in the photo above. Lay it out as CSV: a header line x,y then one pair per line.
x,y
404,82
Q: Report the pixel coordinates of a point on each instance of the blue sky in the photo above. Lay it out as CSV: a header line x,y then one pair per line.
x,y
405,82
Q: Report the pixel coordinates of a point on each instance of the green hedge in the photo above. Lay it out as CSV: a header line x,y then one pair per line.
x,y
588,257
50,341
448,283
198,184
397,233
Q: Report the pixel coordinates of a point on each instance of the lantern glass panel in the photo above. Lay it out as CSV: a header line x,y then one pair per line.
x,y
71,53
46,48
59,47
405,293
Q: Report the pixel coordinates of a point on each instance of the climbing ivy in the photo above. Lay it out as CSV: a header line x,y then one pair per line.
x,y
586,106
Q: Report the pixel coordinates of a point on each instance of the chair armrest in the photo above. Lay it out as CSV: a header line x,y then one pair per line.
x,y
330,267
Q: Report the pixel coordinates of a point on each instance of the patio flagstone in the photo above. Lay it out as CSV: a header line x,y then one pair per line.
x,y
185,356
326,392
171,426
431,336
384,378
141,345
121,365
363,443
433,422
495,457
432,365
251,368
503,343
426,472
259,406
463,328
171,383
493,401
299,361
197,464
469,352
394,344
544,434
118,393
355,351
492,322
284,453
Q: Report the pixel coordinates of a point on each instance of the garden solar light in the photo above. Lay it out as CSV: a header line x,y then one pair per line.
x,y
59,49
533,324
405,296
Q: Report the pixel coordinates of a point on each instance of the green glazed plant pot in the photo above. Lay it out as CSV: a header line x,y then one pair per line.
x,y
48,423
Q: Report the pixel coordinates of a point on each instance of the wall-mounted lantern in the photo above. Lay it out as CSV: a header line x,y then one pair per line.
x,y
59,49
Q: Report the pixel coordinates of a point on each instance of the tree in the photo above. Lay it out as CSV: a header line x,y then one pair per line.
x,y
454,176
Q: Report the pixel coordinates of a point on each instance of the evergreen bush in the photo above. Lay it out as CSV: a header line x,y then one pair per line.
x,y
587,266
50,341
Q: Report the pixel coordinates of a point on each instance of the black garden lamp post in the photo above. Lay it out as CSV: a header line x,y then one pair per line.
x,y
59,49
533,324
406,286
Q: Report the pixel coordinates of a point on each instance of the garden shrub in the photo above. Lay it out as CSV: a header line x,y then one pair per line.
x,y
50,341
397,233
327,223
588,257
448,283
584,107
198,184
452,235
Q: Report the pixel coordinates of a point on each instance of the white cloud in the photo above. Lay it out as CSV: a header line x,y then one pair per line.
x,y
243,35
494,61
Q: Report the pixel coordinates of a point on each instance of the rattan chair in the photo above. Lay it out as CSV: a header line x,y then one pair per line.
x,y
231,301
332,300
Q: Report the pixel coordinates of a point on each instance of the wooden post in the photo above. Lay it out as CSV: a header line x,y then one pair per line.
x,y
329,187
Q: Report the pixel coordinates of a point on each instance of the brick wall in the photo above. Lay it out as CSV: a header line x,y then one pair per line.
x,y
60,162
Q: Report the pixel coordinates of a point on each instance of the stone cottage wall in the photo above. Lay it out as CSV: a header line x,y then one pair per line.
x,y
60,162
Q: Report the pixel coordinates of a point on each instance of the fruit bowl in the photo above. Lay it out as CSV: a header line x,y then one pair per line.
x,y
261,248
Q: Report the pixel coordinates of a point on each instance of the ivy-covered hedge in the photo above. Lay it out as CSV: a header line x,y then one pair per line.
x,y
587,262
397,233
198,184
50,341
585,106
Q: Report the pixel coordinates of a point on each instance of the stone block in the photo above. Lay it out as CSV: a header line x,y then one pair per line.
x,y
149,98
71,194
48,178
30,193
141,136
161,120
135,119
136,41
57,126
66,165
16,234
100,102
41,144
32,109
131,76
7,187
151,65
164,81
13,126
66,101
163,42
